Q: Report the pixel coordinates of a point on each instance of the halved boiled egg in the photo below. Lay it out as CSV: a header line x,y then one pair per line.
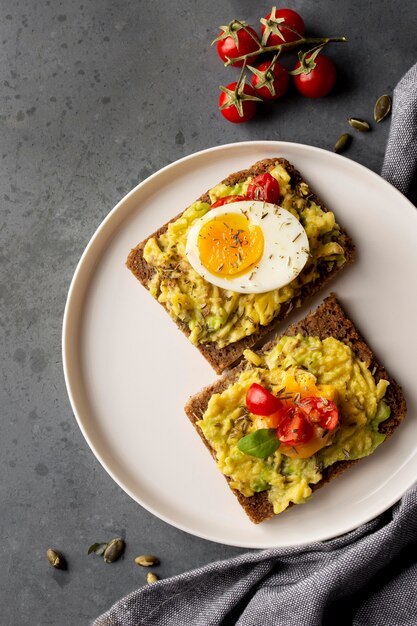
x,y
248,246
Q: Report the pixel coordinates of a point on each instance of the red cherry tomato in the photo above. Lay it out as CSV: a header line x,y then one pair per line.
x,y
270,82
295,428
247,42
292,19
233,98
227,200
264,188
319,81
274,420
261,402
320,411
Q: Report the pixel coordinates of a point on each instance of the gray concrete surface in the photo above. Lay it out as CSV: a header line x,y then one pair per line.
x,y
97,95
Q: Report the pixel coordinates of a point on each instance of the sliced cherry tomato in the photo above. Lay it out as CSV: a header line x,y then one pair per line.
x,y
237,102
320,411
316,82
270,79
235,40
273,28
295,428
274,420
306,450
227,200
261,402
264,188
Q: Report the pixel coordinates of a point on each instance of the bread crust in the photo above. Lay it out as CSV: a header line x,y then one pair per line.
x,y
221,358
328,320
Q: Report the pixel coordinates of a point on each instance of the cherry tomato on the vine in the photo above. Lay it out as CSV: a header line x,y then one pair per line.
x,y
319,81
235,40
273,28
261,402
227,200
270,79
264,188
237,102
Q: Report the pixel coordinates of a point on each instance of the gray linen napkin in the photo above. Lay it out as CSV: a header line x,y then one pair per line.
x,y
401,155
322,583
367,577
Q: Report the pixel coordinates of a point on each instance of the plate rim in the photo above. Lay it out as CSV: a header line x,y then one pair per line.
x,y
71,309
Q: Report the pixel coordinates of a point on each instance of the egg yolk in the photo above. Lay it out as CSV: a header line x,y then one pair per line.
x,y
229,245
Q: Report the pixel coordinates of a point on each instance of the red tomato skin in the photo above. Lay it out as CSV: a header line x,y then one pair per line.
x,y
230,113
227,200
226,48
293,19
295,428
264,188
261,402
278,417
281,81
301,422
324,413
320,81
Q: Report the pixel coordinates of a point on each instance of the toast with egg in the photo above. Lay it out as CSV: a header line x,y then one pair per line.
x,y
328,321
222,324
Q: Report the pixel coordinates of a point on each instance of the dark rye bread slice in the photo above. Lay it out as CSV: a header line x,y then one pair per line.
x,y
220,358
328,320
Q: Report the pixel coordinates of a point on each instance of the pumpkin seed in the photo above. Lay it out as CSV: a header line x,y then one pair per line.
x,y
146,560
342,143
359,124
56,559
382,108
151,578
114,550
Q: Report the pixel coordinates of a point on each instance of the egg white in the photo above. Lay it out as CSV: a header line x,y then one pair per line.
x,y
286,248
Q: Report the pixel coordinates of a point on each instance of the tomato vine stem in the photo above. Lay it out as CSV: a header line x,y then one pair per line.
x,y
304,41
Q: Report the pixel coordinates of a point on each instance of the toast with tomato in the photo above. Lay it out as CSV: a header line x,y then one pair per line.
x,y
219,321
297,413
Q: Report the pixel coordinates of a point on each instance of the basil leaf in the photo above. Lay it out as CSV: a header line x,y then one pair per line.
x,y
261,443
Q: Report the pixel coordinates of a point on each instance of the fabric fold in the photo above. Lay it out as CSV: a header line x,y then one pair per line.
x,y
401,154
287,586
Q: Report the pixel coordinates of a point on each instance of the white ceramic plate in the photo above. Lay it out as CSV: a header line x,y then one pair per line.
x,y
129,371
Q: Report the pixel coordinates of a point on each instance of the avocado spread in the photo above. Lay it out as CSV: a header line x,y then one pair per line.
x,y
212,314
309,361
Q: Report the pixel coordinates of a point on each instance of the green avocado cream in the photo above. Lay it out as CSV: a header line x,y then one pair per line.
x,y
309,361
212,314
